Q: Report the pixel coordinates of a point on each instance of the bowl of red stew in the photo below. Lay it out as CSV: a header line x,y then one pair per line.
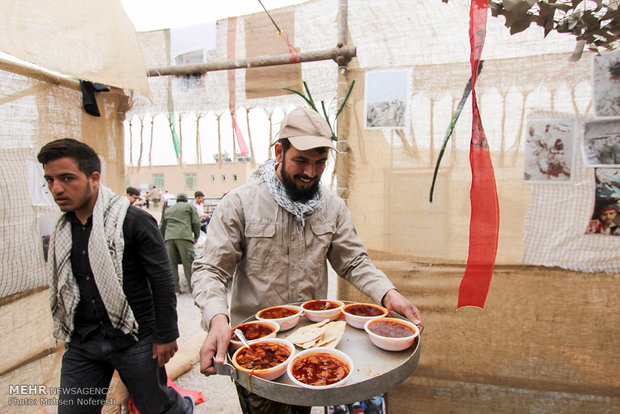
x,y
320,368
357,314
391,334
287,316
254,331
265,358
320,309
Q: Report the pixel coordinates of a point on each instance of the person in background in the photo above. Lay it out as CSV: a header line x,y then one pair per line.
x,y
180,227
167,196
272,237
110,287
133,194
199,198
155,196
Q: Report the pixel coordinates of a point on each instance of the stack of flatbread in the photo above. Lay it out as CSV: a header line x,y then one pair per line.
x,y
326,334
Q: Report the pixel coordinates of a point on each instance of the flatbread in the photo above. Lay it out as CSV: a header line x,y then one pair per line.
x,y
308,334
334,333
323,333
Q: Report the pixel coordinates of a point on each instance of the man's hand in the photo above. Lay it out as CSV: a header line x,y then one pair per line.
x,y
216,344
393,300
163,352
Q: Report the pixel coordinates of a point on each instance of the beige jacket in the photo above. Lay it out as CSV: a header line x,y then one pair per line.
x,y
272,260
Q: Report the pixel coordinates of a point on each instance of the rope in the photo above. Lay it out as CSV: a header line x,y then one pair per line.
x,y
141,142
247,119
151,143
219,141
130,145
295,55
198,149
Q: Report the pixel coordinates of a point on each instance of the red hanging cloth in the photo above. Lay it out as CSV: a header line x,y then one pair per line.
x,y
484,221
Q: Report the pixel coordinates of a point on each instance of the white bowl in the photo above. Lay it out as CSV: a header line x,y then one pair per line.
x,y
285,323
334,352
238,344
390,343
358,321
320,315
270,373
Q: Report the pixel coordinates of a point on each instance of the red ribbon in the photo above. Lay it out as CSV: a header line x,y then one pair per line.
x,y
243,148
295,55
484,221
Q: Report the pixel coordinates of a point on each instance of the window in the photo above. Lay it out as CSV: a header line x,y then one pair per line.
x,y
190,180
213,178
223,178
158,180
234,177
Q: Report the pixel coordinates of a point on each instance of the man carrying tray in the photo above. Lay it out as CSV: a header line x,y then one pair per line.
x,y
275,235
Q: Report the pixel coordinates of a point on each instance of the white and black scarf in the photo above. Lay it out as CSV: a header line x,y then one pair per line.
x,y
105,253
299,209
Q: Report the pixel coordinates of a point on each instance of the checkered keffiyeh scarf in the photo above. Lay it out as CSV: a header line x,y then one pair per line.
x,y
299,209
105,253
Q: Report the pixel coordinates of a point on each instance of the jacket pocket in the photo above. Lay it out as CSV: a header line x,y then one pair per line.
x,y
260,230
260,245
321,228
322,233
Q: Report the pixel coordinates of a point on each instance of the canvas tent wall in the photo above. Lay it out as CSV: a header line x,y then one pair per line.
x,y
33,112
516,355
38,105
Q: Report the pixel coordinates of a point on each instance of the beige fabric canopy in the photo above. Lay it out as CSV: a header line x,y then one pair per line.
x,y
86,39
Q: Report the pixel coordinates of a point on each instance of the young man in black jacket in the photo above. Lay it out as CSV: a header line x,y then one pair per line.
x,y
111,289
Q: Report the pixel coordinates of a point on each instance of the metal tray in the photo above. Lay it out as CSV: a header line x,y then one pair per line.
x,y
375,372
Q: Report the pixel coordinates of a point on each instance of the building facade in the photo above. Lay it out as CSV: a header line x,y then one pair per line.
x,y
214,180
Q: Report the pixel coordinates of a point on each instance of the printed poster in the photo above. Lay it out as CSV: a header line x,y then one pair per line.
x,y
601,143
386,98
606,83
605,218
549,151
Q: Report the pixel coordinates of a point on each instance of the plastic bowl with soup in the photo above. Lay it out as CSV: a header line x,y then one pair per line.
x,y
265,358
320,309
357,314
253,331
391,334
320,368
287,316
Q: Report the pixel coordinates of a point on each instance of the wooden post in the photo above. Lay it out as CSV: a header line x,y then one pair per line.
x,y
343,157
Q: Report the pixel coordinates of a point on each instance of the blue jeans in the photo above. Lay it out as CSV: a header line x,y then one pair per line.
x,y
87,369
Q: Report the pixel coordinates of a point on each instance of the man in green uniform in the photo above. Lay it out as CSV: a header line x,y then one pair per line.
x,y
180,227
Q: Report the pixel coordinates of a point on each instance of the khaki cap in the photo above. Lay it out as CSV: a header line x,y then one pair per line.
x,y
306,129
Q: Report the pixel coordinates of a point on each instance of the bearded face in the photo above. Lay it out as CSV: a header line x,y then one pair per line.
x,y
295,190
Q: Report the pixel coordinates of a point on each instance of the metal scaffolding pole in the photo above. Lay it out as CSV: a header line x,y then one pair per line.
x,y
340,55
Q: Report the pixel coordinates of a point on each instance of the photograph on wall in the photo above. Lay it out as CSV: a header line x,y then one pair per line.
x,y
189,45
386,98
605,218
375,405
46,228
37,186
601,143
606,83
549,151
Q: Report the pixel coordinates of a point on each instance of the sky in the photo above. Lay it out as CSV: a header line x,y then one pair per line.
x,y
164,14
